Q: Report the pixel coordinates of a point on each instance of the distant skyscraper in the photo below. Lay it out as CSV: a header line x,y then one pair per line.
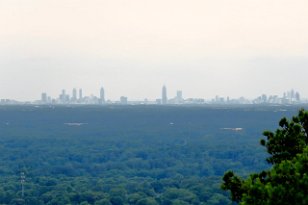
x,y
123,100
63,96
80,94
297,96
179,94
102,95
164,98
74,94
44,98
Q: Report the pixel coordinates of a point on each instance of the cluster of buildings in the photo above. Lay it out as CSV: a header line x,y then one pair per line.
x,y
289,97
76,97
79,98
178,99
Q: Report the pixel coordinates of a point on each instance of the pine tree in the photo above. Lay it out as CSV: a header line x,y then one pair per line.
x,y
287,180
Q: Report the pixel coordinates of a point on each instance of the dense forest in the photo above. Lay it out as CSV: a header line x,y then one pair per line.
x,y
144,155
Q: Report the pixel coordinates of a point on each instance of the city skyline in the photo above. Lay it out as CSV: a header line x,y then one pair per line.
x,y
98,92
290,96
205,48
65,97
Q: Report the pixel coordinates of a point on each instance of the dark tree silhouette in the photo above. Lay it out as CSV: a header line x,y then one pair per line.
x,y
287,181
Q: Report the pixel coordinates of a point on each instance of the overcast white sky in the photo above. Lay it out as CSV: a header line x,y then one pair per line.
x,y
132,47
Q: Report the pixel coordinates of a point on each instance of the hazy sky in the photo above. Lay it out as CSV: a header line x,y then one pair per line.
x,y
132,47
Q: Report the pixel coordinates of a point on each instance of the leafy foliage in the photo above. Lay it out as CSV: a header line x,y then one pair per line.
x,y
289,140
287,181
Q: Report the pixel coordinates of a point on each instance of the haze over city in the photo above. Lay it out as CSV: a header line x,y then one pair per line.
x,y
132,48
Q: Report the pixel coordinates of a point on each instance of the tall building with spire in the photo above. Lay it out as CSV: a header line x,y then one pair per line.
x,y
102,95
164,99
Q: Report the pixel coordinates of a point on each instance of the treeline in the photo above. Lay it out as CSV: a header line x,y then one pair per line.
x,y
133,170
113,191
123,156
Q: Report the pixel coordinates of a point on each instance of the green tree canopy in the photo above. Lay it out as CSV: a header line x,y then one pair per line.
x,y
287,181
